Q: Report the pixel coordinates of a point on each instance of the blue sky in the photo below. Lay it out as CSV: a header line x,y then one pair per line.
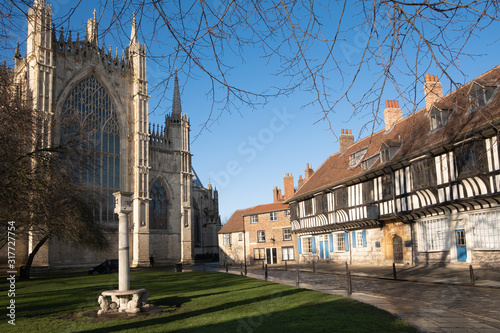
x,y
246,152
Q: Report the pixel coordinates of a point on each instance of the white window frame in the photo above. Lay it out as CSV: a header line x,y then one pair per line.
x,y
261,252
434,235
261,236
339,241
227,239
240,237
288,233
359,238
287,253
273,216
307,245
486,230
254,218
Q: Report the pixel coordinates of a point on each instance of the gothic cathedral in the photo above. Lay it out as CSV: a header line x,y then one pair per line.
x,y
174,217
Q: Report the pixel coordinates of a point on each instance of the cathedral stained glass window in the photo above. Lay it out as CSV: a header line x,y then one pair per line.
x,y
90,105
158,207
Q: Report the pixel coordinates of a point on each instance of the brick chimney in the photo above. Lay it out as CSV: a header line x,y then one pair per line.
x,y
346,139
392,114
309,170
277,196
301,181
433,90
289,187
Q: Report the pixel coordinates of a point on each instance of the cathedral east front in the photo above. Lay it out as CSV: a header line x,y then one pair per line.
x,y
175,218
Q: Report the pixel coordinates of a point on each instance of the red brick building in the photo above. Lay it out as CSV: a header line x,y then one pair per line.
x,y
262,234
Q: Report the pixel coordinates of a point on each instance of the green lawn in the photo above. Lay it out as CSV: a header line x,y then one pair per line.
x,y
193,302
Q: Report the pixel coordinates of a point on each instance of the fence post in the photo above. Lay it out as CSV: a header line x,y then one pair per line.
x,y
262,265
394,271
346,267
265,273
472,279
286,267
297,281
245,269
227,267
314,266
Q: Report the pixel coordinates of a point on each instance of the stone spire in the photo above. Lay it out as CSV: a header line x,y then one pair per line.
x,y
176,104
134,39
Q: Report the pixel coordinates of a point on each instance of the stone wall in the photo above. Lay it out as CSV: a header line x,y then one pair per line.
x,y
439,258
486,258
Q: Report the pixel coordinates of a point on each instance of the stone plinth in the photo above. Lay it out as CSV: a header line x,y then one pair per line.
x,y
130,301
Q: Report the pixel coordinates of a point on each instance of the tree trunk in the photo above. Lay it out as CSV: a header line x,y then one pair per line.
x,y
25,272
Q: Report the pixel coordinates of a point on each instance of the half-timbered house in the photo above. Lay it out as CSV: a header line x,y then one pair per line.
x,y
424,190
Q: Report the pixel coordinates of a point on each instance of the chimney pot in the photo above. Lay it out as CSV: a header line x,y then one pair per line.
x,y
392,114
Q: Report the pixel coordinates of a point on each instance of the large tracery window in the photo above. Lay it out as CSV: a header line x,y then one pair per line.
x,y
158,207
90,104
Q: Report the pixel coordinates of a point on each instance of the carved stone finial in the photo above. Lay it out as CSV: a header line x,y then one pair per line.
x,y
17,55
61,36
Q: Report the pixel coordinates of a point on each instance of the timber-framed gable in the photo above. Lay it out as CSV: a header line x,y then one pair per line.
x,y
434,168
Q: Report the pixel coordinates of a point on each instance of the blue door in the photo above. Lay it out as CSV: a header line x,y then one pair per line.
x,y
461,245
323,250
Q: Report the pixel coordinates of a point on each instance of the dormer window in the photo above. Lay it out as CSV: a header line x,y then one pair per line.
x,y
369,162
356,157
439,118
388,149
480,96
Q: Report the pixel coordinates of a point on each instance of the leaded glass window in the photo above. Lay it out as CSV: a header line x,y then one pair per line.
x,y
470,158
90,105
158,207
433,235
486,229
423,173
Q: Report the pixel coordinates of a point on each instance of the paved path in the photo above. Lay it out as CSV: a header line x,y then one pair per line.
x,y
429,306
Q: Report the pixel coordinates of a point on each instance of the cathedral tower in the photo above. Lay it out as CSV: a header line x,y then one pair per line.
x,y
140,149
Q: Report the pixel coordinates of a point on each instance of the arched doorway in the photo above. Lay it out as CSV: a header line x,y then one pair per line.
x,y
397,249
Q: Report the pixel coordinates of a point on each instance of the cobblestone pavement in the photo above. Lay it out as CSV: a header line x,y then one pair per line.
x,y
431,307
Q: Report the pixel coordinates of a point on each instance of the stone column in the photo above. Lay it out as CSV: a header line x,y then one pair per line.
x,y
123,253
123,206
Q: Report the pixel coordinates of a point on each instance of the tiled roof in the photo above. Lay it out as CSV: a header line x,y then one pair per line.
x,y
266,208
235,223
413,134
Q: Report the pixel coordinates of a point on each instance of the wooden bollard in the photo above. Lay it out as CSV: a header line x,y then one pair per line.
x,y
286,268
297,282
265,273
349,283
314,266
227,267
471,272
394,271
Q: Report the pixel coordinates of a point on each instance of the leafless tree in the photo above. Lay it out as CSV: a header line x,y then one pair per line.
x,y
319,47
39,181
